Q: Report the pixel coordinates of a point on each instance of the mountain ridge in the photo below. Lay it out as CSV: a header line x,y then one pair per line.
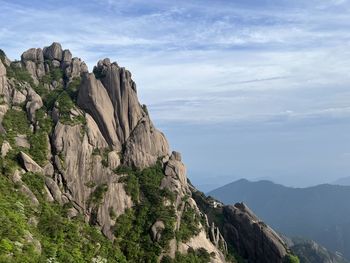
x,y
82,149
317,213
342,181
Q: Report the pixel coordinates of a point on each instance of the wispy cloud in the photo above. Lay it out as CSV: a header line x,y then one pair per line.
x,y
243,80
192,48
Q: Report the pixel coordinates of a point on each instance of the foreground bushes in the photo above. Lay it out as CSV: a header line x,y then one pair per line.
x,y
133,228
61,239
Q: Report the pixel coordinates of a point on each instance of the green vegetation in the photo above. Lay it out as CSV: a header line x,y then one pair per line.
x,y
44,233
133,228
192,256
203,202
66,240
99,72
291,259
14,213
112,213
63,99
103,153
16,122
73,88
104,161
124,170
61,239
90,184
189,224
19,73
98,194
35,182
2,99
9,164
132,187
44,120
56,74
64,102
39,147
215,215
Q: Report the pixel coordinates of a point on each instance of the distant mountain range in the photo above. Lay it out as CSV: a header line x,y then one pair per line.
x,y
342,181
320,213
309,251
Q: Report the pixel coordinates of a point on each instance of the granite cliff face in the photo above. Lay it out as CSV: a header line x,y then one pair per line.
x,y
248,233
243,231
92,142
312,252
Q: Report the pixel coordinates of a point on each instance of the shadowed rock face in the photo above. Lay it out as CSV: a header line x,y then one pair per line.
x,y
252,238
94,99
122,93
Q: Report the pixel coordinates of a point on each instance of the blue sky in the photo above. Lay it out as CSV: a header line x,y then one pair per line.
x,y
255,89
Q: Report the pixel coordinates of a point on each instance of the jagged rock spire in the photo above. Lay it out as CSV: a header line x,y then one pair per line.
x,y
109,96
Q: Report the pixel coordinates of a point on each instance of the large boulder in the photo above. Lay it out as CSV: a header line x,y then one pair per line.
x,y
113,159
54,189
145,145
34,103
67,56
156,230
22,141
75,68
29,55
5,148
29,164
33,61
176,168
18,97
53,52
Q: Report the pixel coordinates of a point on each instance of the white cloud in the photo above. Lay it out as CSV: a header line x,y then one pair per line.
x,y
279,60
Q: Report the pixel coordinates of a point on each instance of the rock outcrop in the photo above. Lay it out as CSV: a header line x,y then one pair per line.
x,y
175,180
29,164
90,130
40,62
110,97
33,61
251,237
5,148
310,251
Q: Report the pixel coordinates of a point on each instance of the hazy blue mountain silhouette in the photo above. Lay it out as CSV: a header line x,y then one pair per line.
x,y
342,181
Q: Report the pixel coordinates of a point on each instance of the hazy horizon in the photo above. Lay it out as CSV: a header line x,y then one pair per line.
x,y
250,89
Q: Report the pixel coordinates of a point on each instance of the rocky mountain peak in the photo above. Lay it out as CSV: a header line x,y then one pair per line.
x,y
97,153
53,52
40,62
